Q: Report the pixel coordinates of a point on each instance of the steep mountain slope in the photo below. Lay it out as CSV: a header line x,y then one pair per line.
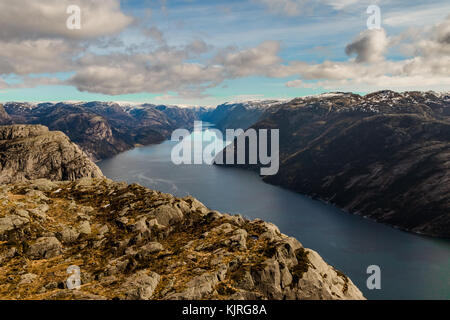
x,y
239,115
104,129
385,156
33,152
4,117
130,242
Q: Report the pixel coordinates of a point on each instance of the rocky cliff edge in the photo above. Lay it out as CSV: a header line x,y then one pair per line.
x,y
134,243
29,152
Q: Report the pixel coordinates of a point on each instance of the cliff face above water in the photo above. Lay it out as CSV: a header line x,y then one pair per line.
x,y
30,152
385,156
134,243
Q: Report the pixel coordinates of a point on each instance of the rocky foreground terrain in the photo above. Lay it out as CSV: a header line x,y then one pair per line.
x,y
32,152
134,243
130,242
385,155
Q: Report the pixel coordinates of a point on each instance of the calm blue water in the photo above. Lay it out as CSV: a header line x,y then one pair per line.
x,y
412,266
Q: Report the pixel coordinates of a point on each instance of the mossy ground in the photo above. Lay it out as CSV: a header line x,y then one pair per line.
x,y
104,203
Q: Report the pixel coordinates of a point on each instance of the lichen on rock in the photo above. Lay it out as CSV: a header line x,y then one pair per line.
x,y
134,243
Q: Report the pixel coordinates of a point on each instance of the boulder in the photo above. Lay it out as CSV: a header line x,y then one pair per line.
x,y
68,235
141,285
45,248
84,228
167,215
12,222
197,288
27,278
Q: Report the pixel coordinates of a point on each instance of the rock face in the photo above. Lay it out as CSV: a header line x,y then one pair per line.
x,y
385,156
4,117
32,152
142,244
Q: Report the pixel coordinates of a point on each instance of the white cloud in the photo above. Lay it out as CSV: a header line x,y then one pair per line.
x,y
34,37
259,60
36,56
168,69
29,82
340,4
416,16
31,19
156,67
288,7
427,68
159,71
298,7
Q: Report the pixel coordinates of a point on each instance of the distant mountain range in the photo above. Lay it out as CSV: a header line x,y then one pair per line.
x,y
103,129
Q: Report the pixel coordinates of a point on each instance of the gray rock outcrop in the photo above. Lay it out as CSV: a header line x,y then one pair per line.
x,y
134,243
29,152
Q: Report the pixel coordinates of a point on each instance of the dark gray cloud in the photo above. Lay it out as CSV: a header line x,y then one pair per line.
x,y
369,46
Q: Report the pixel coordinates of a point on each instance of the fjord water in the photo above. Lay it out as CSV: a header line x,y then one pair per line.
x,y
412,266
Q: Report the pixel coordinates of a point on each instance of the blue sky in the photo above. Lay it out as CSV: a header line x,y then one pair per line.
x,y
208,52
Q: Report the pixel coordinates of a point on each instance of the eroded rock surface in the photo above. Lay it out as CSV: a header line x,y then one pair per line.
x,y
29,152
134,243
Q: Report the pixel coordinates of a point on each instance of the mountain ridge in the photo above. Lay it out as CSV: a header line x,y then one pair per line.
x,y
332,121
103,130
384,155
